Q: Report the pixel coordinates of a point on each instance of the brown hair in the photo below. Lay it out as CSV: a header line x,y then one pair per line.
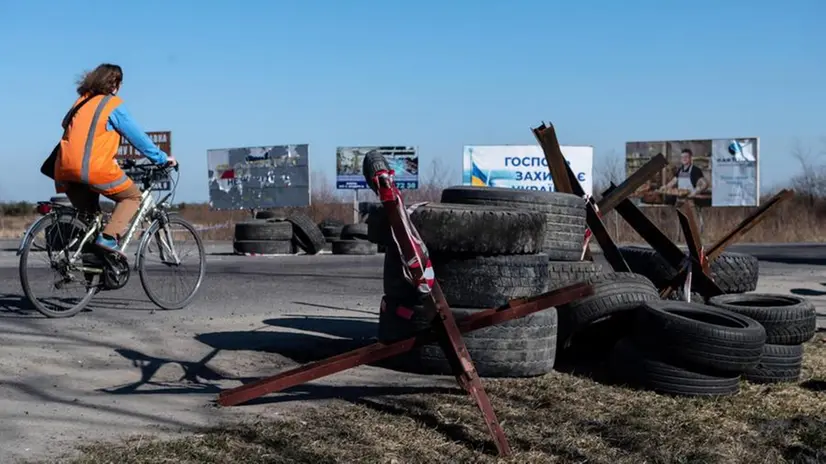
x,y
103,80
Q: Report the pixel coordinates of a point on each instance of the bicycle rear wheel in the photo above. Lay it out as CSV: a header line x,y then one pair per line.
x,y
168,244
44,266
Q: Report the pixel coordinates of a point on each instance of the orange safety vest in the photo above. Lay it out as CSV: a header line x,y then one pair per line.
x,y
87,150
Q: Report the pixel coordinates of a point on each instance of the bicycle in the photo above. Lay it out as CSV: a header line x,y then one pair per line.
x,y
74,258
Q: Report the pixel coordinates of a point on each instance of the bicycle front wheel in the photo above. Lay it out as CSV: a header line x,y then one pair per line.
x,y
54,285
166,262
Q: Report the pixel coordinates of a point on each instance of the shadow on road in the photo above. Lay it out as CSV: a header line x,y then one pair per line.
x,y
12,306
302,348
299,347
314,305
786,259
352,393
341,326
193,376
806,292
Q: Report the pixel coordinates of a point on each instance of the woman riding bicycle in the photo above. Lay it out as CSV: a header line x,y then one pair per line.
x,y
86,167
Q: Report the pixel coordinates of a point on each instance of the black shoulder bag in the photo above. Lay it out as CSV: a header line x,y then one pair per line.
x,y
47,169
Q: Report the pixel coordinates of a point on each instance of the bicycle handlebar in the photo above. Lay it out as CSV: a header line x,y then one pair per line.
x,y
149,173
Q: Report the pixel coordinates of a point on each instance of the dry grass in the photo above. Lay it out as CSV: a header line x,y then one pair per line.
x,y
792,221
557,418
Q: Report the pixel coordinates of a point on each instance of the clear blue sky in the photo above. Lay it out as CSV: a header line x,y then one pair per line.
x,y
434,74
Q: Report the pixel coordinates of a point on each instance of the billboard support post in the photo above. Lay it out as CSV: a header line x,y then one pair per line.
x,y
355,206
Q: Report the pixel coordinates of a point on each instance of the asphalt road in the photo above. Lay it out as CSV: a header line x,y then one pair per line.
x,y
124,368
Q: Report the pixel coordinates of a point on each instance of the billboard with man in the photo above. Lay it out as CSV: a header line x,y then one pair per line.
x,y
272,176
708,172
523,166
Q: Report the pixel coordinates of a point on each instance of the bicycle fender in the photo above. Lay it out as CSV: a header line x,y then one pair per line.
x,y
28,233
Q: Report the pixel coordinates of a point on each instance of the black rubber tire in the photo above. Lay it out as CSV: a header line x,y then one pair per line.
x,y
632,365
354,232
700,337
154,230
331,231
679,295
353,247
523,347
263,247
613,293
69,225
266,214
395,285
263,230
378,228
306,234
732,272
564,214
490,281
788,319
562,273
479,229
373,163
779,364
331,223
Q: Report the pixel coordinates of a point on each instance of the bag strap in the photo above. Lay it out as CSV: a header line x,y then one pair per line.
x,y
71,114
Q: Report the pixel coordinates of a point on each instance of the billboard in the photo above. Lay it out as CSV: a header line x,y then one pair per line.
x,y
259,177
402,159
162,139
708,172
523,166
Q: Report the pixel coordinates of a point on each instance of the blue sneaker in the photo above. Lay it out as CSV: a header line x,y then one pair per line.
x,y
109,244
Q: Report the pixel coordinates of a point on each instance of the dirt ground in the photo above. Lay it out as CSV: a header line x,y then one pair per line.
x,y
561,417
557,418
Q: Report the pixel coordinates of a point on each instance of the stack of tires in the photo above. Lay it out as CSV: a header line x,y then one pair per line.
x,y
306,235
354,241
694,349
789,322
331,230
261,237
483,256
277,236
732,272
590,326
267,214
688,349
565,217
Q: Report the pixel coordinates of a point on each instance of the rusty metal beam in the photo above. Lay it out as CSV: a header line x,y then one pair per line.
x,y
696,256
747,224
606,243
546,136
630,185
688,224
661,243
378,351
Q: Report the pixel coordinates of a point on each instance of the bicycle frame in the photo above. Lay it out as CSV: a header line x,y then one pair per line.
x,y
147,205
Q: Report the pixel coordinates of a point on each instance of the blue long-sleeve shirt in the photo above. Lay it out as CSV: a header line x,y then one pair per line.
x,y
120,120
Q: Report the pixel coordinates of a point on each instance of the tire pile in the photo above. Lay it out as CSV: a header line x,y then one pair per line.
x,y
352,240
732,272
270,234
490,245
695,349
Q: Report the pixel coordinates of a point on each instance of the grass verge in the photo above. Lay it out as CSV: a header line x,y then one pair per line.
x,y
557,418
